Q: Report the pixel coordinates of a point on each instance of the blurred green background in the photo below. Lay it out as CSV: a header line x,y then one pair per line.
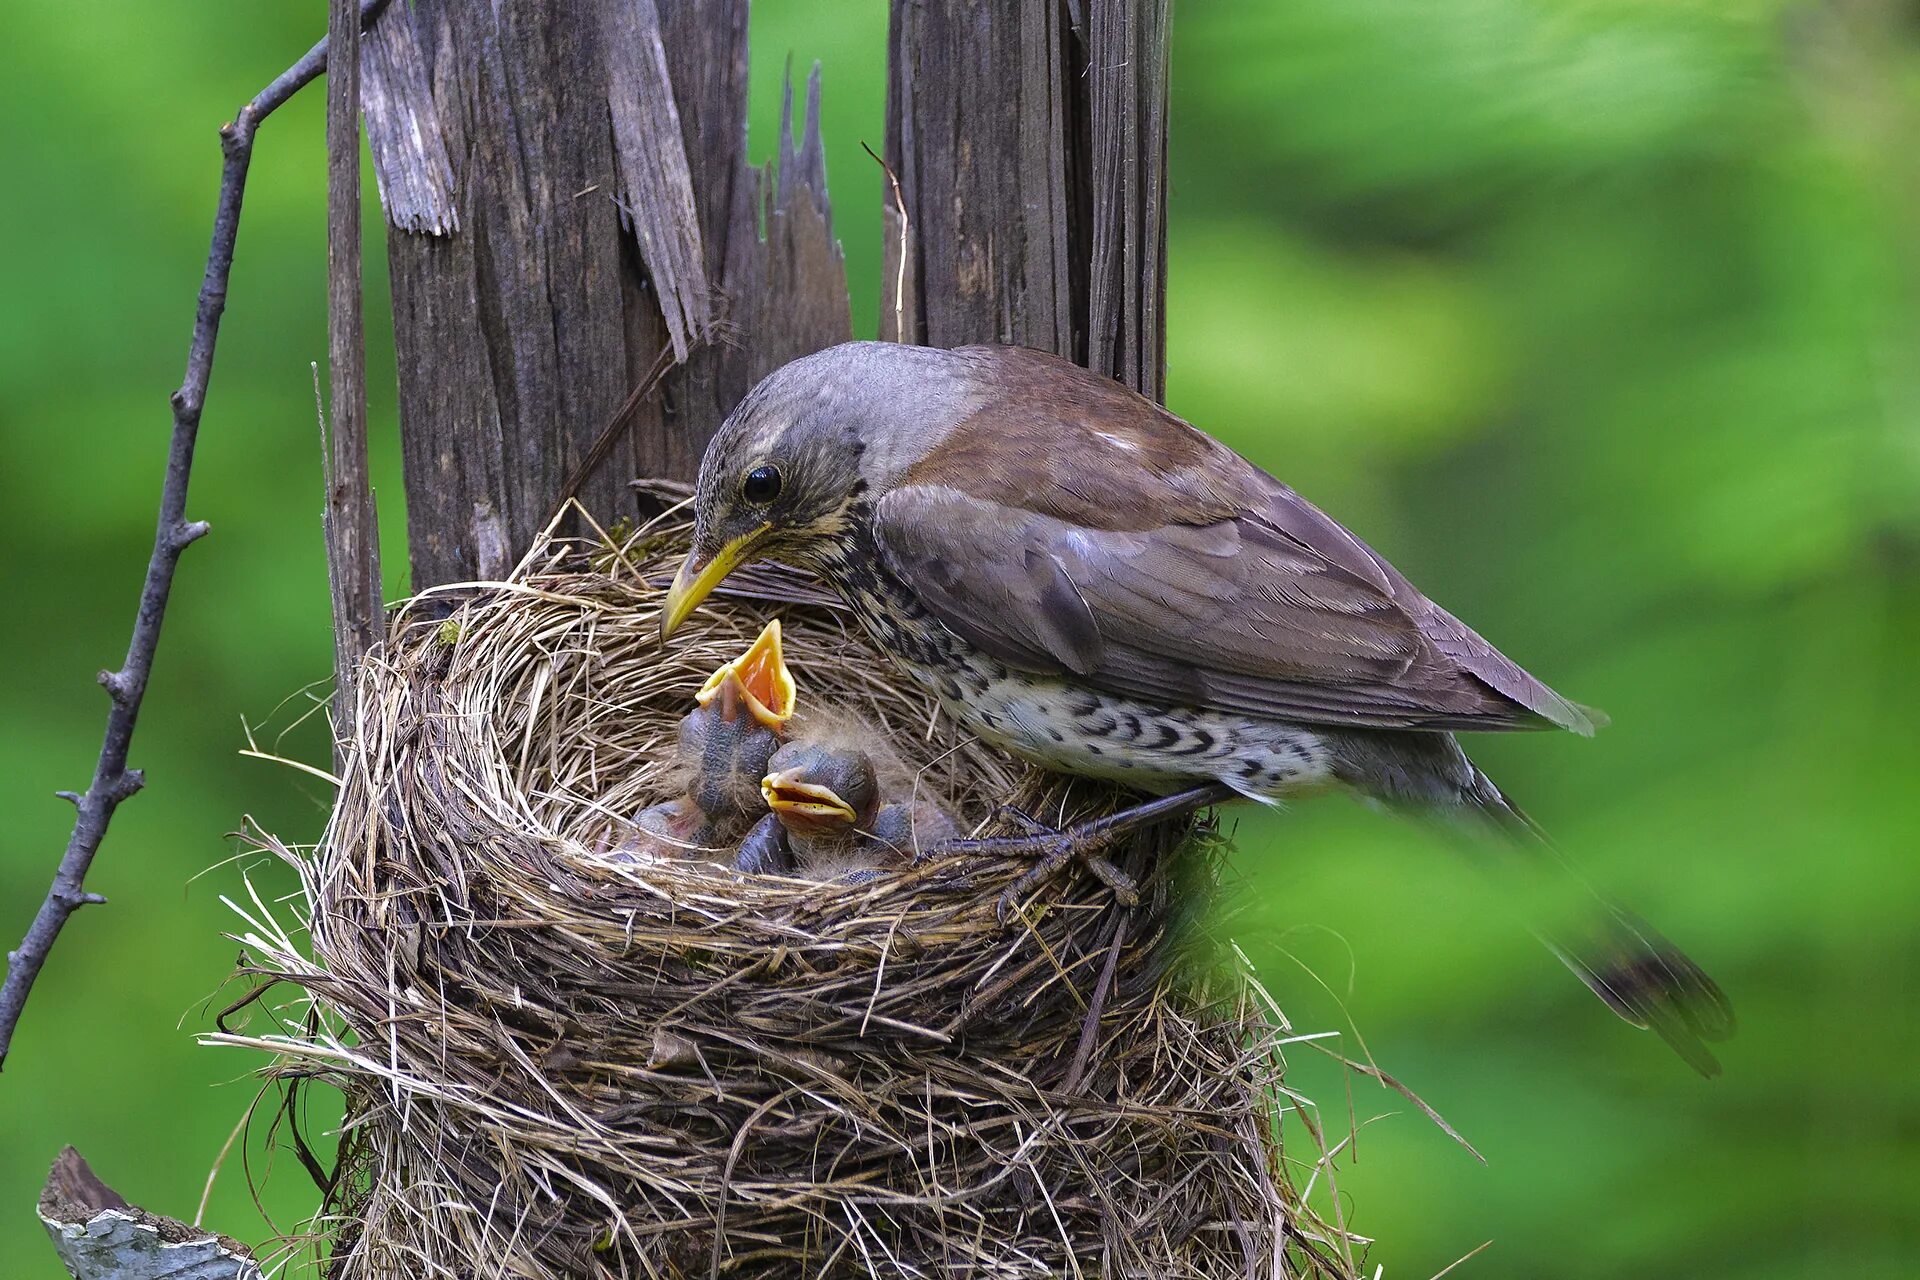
x,y
1599,318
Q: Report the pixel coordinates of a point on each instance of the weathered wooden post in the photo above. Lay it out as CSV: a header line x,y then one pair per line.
x,y
1030,143
570,210
587,276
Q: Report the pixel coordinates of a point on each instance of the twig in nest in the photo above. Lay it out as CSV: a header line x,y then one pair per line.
x,y
112,780
603,443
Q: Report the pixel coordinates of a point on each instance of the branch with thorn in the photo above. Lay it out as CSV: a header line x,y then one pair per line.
x,y
113,781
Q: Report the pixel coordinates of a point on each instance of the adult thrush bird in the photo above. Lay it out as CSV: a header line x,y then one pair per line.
x,y
1092,583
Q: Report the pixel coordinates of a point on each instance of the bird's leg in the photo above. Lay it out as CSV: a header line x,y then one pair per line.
x,y
1027,823
1096,832
1083,840
1059,850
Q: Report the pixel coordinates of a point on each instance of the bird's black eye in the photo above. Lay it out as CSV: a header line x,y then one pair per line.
x,y
762,485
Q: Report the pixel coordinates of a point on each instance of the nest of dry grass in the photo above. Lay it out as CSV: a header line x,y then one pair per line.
x,y
556,1064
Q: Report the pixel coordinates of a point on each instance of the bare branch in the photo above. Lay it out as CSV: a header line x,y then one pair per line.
x,y
112,780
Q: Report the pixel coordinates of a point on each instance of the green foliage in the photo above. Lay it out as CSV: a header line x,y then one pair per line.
x,y
1597,317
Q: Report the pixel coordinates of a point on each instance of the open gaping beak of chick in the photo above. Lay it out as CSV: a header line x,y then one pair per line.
x,y
806,807
757,680
819,792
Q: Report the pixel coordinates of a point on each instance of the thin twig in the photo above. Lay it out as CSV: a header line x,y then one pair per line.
x,y
112,780
900,273
351,524
621,420
1090,1027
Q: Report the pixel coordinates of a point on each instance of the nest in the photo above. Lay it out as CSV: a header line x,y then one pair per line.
x,y
557,1063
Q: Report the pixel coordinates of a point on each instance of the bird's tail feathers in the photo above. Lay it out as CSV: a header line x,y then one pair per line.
x,y
1622,959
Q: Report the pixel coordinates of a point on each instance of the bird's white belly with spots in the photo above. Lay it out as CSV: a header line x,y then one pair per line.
x,y
1091,734
1075,730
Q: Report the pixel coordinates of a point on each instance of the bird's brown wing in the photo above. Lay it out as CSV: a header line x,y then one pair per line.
x,y
1262,606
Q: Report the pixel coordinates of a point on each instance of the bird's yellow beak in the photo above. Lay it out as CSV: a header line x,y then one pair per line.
x,y
760,679
807,805
695,581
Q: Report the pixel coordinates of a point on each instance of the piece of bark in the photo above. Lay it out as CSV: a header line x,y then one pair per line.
x,y
519,333
977,131
656,188
349,520
1126,106
790,286
780,296
410,162
99,1236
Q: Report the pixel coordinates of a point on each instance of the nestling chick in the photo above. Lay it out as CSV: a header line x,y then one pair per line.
x,y
665,830
765,851
726,741
763,677
905,829
827,798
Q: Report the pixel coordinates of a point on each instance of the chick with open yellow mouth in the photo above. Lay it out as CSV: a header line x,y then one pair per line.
x,y
820,792
824,800
739,721
757,682
835,818
727,740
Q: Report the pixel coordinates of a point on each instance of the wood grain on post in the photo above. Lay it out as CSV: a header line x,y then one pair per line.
x,y
568,202
1029,140
352,530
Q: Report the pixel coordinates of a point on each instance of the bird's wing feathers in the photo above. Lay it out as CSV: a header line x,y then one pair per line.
x,y
1246,599
1001,590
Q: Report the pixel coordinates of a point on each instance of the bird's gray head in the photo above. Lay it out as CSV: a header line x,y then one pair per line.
x,y
789,473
